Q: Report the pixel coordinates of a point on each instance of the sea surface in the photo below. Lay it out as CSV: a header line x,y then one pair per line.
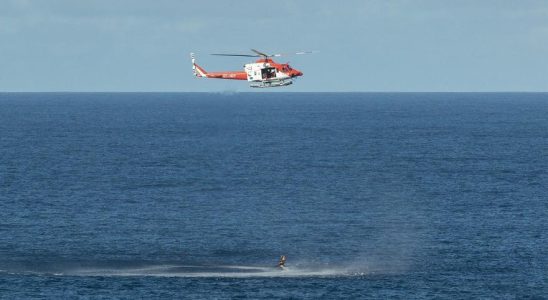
x,y
196,195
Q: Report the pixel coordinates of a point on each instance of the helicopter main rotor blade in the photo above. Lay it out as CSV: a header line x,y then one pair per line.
x,y
296,53
244,55
260,53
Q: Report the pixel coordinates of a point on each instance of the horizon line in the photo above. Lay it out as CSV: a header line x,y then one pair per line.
x,y
296,92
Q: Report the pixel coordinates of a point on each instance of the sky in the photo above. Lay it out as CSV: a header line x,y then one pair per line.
x,y
380,45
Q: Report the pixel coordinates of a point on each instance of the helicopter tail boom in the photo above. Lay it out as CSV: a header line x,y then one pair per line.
x,y
200,72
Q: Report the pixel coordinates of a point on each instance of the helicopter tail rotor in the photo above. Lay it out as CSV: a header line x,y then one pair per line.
x,y
197,70
193,63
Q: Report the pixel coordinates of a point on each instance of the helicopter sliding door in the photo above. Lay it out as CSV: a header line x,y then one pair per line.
x,y
268,73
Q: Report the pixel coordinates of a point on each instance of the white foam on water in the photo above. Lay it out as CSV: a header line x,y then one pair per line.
x,y
211,271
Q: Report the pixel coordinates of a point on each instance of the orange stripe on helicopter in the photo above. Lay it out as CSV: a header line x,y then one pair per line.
x,y
235,75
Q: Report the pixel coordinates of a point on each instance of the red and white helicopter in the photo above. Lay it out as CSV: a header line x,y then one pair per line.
x,y
261,74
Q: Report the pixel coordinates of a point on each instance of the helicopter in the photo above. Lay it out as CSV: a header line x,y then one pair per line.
x,y
263,73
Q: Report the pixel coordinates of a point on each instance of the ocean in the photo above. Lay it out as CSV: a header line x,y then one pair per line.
x,y
197,195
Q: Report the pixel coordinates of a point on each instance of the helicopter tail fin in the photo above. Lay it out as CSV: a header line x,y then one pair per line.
x,y
197,70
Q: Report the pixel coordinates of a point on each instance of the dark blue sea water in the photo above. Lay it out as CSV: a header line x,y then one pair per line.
x,y
182,195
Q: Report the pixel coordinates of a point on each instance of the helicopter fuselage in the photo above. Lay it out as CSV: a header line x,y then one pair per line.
x,y
261,74
267,73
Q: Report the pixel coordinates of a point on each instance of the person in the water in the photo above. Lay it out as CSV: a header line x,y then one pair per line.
x,y
281,263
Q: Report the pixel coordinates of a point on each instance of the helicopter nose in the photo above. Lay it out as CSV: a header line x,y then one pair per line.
x,y
298,73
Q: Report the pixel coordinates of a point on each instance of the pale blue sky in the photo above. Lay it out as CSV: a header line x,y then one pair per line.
x,y
133,45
